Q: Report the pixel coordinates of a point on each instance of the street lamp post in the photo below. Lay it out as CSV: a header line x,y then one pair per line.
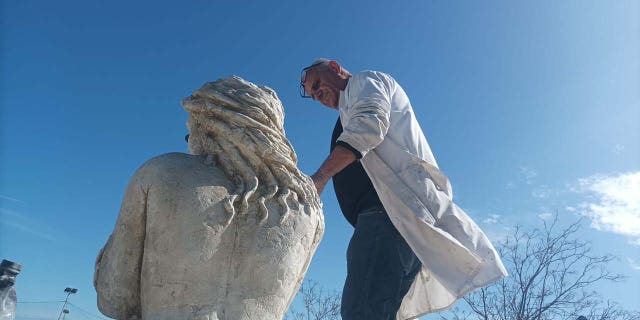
x,y
64,311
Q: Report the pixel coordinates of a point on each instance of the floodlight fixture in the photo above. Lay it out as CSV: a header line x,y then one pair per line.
x,y
70,290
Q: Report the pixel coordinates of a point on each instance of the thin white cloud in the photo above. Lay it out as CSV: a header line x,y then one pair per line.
x,y
492,219
497,232
617,149
3,197
15,215
545,216
633,264
22,222
543,192
495,227
528,174
613,204
27,229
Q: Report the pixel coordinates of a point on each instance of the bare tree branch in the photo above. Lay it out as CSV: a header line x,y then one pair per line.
x,y
318,304
552,276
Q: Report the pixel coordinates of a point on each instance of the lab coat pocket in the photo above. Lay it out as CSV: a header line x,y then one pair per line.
x,y
419,181
448,217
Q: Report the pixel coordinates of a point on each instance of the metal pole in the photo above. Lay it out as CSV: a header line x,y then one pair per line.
x,y
64,314
64,306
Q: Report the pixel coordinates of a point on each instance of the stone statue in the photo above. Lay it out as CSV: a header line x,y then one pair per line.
x,y
224,233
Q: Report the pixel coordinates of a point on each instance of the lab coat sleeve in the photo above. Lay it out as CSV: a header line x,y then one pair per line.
x,y
368,116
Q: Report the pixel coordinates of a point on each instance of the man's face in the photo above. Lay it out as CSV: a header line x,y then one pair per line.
x,y
323,85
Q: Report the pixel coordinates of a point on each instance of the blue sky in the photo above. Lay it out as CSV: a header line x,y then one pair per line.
x,y
530,108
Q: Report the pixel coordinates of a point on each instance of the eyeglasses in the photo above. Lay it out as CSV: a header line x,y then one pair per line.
x,y
303,77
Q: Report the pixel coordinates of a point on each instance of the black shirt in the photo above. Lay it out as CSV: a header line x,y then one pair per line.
x,y
352,185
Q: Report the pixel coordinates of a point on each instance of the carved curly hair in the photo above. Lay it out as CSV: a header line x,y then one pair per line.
x,y
239,126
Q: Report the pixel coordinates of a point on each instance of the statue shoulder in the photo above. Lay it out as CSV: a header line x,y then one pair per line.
x,y
173,167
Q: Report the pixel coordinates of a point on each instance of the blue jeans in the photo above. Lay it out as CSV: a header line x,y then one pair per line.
x,y
380,269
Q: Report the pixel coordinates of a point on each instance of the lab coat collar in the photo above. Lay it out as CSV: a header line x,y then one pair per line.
x,y
341,99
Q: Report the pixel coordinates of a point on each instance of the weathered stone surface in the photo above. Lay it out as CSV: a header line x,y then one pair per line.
x,y
224,233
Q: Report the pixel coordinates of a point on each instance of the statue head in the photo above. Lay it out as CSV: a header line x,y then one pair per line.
x,y
240,126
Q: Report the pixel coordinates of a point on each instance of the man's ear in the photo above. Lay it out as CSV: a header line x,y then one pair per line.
x,y
335,66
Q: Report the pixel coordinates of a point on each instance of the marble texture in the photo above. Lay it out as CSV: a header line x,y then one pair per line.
x,y
225,232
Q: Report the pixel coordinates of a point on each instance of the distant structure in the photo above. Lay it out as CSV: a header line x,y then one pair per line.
x,y
226,232
9,270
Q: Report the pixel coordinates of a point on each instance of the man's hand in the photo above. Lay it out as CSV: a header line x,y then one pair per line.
x,y
339,158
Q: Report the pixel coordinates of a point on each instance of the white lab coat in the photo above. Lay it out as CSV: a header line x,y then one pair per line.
x,y
457,257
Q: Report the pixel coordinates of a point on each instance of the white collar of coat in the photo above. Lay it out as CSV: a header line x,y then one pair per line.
x,y
341,99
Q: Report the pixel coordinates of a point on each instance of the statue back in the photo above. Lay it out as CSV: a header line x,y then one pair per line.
x,y
227,232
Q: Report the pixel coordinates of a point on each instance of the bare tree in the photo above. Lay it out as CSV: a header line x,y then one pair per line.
x,y
318,303
609,310
551,277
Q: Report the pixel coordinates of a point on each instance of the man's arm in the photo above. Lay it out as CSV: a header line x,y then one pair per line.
x,y
367,118
339,158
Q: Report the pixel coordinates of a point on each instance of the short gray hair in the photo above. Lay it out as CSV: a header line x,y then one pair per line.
x,y
319,61
324,62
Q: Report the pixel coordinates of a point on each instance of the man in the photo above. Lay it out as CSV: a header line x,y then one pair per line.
x,y
380,130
